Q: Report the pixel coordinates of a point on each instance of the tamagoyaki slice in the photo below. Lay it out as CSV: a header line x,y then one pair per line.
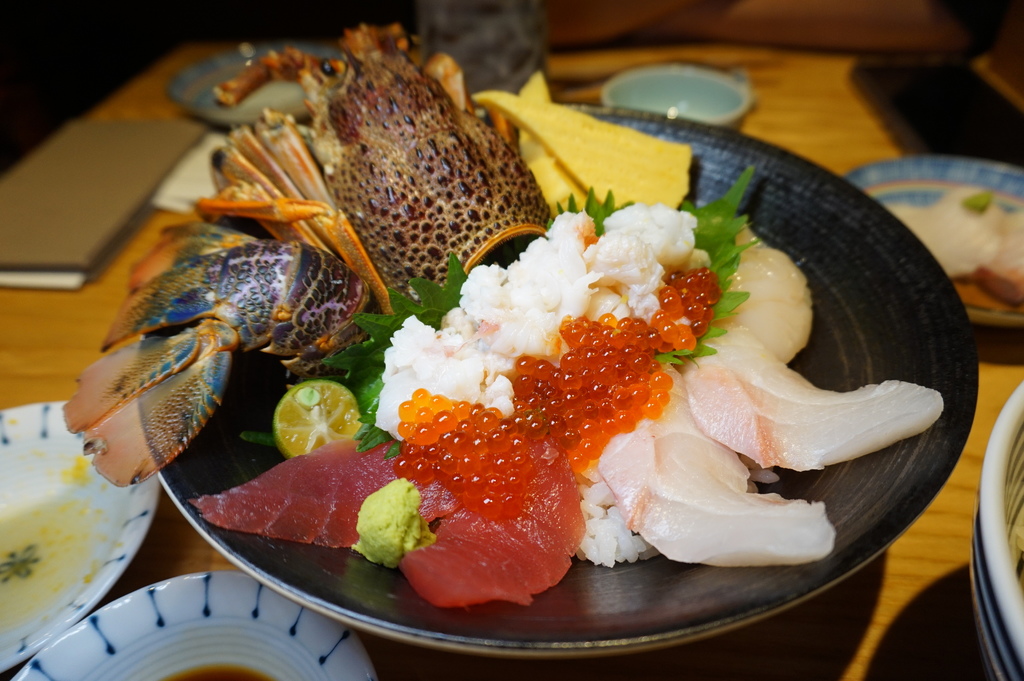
x,y
604,156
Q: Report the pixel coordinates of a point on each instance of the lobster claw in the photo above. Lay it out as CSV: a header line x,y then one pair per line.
x,y
179,243
140,406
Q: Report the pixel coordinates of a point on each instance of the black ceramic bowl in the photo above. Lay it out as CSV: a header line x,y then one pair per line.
x,y
883,310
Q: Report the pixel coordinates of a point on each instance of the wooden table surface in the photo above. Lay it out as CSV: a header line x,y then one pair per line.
x,y
907,614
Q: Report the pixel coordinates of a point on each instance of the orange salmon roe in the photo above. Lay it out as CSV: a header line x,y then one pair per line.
x,y
477,454
604,384
691,295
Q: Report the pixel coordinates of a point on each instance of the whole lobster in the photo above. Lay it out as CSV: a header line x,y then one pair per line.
x,y
393,174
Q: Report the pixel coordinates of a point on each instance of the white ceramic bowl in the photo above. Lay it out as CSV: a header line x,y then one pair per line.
x,y
696,93
199,621
66,534
997,557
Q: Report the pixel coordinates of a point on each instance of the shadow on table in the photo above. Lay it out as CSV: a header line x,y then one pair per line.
x,y
933,637
1000,345
816,639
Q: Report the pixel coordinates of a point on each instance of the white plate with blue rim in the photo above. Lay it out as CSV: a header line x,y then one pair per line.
x,y
191,625
920,180
66,534
192,88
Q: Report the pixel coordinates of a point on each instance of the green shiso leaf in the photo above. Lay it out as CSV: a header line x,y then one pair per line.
x,y
258,437
369,436
362,365
597,210
718,226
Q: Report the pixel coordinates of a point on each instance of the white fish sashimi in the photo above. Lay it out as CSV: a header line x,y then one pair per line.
x,y
687,495
752,403
1003,276
985,246
960,239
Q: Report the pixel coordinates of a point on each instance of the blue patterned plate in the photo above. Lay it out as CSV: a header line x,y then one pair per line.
x,y
193,87
201,621
921,180
66,534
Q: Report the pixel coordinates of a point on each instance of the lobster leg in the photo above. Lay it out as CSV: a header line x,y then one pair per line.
x,y
334,228
140,406
446,71
238,178
280,139
277,210
264,166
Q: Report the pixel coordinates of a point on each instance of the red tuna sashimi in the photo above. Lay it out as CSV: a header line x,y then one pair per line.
x,y
476,560
314,498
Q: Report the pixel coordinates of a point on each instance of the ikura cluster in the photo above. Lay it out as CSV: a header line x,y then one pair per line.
x,y
477,454
603,385
692,295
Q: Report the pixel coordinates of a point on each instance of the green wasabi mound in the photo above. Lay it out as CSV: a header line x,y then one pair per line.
x,y
979,202
390,525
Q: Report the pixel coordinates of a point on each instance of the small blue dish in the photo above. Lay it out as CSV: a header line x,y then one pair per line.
x,y
696,93
193,87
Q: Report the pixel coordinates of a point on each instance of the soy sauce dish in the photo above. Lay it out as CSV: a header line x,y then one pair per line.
x,y
219,625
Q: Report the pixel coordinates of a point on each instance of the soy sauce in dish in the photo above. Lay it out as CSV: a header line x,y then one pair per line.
x,y
220,673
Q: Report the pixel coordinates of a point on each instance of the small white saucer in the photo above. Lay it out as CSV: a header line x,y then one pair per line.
x,y
66,534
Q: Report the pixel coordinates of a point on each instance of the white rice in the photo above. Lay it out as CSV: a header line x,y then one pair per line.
x,y
607,540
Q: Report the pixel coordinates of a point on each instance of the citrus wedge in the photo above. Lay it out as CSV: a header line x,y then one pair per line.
x,y
313,413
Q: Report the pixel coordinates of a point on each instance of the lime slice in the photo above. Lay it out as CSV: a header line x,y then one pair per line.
x,y
313,413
